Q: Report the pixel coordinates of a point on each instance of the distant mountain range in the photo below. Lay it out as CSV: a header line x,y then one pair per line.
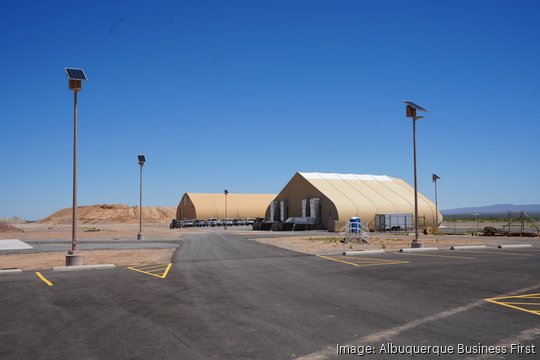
x,y
499,209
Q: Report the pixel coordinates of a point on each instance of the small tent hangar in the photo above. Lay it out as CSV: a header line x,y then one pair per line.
x,y
207,206
329,200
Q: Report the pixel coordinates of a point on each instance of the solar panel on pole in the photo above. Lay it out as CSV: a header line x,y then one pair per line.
x,y
416,106
75,74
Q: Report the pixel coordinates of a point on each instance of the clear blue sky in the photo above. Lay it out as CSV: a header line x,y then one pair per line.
x,y
242,94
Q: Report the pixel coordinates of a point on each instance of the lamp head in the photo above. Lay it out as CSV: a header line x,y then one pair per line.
x,y
411,109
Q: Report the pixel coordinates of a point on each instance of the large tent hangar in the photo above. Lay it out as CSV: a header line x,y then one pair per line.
x,y
330,200
207,206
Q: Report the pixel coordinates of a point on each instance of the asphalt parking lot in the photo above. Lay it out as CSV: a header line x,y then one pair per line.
x,y
225,297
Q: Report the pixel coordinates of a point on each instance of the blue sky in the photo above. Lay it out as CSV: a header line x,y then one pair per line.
x,y
242,94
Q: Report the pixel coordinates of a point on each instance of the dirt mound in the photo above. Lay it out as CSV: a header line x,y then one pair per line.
x,y
113,214
8,228
13,220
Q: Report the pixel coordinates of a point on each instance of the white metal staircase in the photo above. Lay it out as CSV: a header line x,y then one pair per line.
x,y
354,232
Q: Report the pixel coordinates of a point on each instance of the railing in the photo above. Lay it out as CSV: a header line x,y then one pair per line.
x,y
354,232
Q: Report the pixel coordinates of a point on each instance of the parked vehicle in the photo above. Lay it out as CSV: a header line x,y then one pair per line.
x,y
249,221
187,223
212,222
228,222
239,222
175,224
200,223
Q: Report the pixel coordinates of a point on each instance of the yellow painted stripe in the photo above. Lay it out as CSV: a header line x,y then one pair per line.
x,y
491,252
520,303
368,259
166,271
526,296
443,256
341,261
144,272
158,271
364,264
151,273
390,263
147,267
44,279
534,296
513,307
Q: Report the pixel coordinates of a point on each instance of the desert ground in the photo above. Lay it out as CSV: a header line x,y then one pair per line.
x,y
107,234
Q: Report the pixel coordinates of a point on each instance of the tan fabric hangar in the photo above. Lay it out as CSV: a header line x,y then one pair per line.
x,y
330,200
207,206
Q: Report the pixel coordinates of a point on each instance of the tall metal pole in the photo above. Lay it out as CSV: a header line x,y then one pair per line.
x,y
74,208
415,243
140,234
436,207
225,222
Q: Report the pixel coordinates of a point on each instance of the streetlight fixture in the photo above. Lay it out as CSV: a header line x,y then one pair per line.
x,y
75,79
226,192
411,109
434,178
142,160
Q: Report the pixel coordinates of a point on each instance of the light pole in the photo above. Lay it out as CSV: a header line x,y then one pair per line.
x,y
226,192
142,160
476,219
434,178
411,109
75,78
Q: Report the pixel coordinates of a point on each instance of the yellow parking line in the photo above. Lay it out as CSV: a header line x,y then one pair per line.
x,y
443,256
533,296
148,267
521,303
158,270
387,263
491,252
366,259
166,271
162,276
144,272
372,261
513,307
369,263
529,296
341,261
44,279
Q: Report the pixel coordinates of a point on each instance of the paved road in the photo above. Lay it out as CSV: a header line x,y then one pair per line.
x,y
226,297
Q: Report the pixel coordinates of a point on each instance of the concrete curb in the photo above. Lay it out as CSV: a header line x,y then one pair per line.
x,y
363,252
407,250
10,271
468,247
84,267
517,246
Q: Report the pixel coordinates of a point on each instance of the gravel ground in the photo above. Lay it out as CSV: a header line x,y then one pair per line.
x,y
47,260
115,243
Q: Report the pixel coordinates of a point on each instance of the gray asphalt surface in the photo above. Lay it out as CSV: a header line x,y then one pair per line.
x,y
226,297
